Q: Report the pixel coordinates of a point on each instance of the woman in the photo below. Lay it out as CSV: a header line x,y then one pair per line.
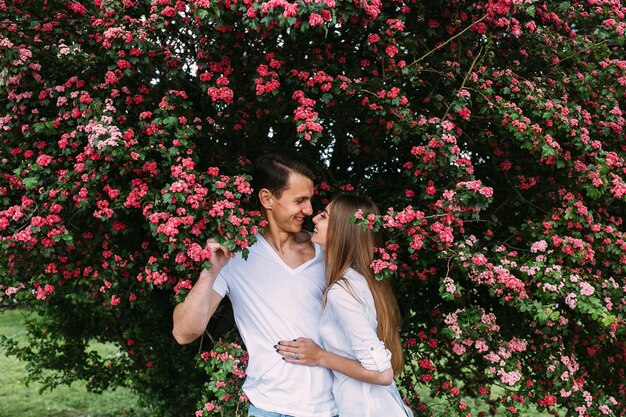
x,y
359,326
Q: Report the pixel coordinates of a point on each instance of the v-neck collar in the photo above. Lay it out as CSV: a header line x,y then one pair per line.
x,y
280,260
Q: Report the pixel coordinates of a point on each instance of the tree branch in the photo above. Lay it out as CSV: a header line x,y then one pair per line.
x,y
445,43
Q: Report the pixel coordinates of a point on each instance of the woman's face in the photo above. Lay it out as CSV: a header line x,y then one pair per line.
x,y
321,226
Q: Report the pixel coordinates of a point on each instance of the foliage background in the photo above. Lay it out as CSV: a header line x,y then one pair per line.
x,y
492,131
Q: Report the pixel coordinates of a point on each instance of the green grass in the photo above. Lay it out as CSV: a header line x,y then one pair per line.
x,y
18,400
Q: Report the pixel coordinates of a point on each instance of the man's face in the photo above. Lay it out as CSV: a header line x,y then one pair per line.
x,y
289,211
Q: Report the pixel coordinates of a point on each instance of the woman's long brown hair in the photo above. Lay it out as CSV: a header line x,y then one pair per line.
x,y
351,246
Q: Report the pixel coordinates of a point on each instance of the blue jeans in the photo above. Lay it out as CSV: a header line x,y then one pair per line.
x,y
257,412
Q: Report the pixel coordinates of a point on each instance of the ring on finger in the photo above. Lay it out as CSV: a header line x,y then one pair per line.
x,y
294,356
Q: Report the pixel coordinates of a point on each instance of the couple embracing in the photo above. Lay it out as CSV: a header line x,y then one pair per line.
x,y
291,296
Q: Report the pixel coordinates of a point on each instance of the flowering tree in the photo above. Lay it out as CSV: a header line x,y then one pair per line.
x,y
491,132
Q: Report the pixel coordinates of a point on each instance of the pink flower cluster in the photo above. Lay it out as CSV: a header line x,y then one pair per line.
x,y
306,117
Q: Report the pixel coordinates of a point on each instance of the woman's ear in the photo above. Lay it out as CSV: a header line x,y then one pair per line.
x,y
265,197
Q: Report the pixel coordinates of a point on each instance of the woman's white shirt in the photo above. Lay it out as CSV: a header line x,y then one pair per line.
x,y
348,328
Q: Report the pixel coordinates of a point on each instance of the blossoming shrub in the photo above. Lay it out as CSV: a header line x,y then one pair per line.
x,y
225,363
491,133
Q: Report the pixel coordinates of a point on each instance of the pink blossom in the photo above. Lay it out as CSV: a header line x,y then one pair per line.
x,y
44,160
449,285
315,19
464,113
509,378
539,246
609,23
486,191
492,357
205,4
516,345
11,291
479,259
391,50
458,348
76,7
481,345
586,288
374,38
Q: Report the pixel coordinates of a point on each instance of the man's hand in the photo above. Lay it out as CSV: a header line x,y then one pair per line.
x,y
220,255
301,351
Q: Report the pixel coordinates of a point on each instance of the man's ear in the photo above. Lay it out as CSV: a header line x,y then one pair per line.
x,y
265,197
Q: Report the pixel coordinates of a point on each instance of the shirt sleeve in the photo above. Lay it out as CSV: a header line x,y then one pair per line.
x,y
351,316
221,283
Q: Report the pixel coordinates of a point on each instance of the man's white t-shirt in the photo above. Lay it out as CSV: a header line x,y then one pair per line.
x,y
271,302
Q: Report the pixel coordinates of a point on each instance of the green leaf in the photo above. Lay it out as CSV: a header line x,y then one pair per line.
x,y
68,238
541,316
593,193
30,182
608,319
170,121
202,13
326,97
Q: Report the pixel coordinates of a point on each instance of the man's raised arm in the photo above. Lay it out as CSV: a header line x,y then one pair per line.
x,y
192,315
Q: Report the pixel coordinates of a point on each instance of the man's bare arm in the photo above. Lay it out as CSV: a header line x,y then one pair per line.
x,y
192,315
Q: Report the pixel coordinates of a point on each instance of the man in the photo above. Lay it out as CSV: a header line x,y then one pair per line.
x,y
276,295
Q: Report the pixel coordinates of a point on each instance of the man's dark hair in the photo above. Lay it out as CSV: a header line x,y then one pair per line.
x,y
272,171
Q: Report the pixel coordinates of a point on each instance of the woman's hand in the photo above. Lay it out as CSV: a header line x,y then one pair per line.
x,y
301,351
308,353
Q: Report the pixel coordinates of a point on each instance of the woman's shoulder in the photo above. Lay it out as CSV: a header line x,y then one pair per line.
x,y
352,283
355,278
